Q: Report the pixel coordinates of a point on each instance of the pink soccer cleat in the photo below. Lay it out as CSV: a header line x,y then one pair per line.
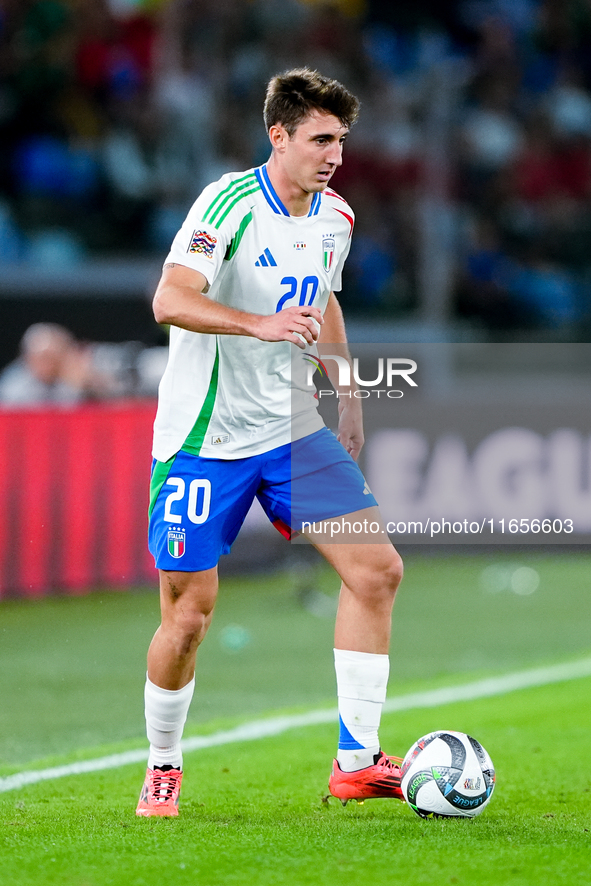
x,y
160,793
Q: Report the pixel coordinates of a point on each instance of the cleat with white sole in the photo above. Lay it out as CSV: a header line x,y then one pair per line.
x,y
160,793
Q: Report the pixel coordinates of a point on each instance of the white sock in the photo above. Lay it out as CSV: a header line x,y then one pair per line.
x,y
362,678
166,713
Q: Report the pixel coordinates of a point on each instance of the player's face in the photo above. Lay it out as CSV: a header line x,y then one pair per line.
x,y
311,156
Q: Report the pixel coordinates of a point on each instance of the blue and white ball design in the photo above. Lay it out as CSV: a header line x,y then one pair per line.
x,y
447,775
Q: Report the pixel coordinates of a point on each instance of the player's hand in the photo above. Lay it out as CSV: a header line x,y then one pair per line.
x,y
350,431
299,325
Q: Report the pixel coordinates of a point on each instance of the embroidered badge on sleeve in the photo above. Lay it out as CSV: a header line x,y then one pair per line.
x,y
202,242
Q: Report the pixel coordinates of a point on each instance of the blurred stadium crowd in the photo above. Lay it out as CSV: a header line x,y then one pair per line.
x,y
115,113
54,368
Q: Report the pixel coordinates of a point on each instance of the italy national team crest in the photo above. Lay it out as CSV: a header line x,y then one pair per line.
x,y
176,543
327,252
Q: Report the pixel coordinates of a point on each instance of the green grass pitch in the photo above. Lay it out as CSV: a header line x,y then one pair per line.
x,y
71,679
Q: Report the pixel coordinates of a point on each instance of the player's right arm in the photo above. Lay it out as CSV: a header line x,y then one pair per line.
x,y
180,300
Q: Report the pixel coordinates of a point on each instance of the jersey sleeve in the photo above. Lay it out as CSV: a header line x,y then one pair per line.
x,y
343,219
337,277
215,224
199,244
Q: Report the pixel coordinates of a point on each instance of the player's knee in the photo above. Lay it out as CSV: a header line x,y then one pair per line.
x,y
383,575
187,609
395,571
391,573
189,627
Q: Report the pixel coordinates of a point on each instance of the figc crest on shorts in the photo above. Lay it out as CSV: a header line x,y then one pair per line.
x,y
176,543
202,242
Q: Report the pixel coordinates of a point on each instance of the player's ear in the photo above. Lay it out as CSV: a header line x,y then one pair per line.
x,y
278,137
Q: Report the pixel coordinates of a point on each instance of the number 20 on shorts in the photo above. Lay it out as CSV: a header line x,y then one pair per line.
x,y
198,504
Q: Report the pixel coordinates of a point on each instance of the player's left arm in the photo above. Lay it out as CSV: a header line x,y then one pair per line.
x,y
333,340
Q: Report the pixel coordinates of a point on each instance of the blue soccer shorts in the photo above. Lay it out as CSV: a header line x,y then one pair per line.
x,y
197,505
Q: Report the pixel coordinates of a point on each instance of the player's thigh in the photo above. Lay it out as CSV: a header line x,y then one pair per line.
x,y
360,527
198,509
357,546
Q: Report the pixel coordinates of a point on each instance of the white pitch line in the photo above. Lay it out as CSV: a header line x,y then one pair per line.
x,y
258,729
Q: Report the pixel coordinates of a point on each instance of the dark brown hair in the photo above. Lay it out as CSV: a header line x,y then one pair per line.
x,y
293,95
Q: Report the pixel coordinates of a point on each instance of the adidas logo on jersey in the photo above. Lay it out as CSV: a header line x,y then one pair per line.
x,y
266,260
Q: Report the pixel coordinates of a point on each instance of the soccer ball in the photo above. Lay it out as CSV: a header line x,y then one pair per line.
x,y
447,775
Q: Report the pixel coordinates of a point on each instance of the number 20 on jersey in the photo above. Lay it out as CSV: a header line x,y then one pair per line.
x,y
304,292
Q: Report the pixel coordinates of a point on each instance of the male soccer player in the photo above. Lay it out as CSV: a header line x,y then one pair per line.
x,y
250,275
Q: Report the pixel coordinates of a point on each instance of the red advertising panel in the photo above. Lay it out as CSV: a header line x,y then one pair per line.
x,y
74,498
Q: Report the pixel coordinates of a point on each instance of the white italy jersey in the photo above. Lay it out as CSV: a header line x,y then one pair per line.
x,y
230,396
